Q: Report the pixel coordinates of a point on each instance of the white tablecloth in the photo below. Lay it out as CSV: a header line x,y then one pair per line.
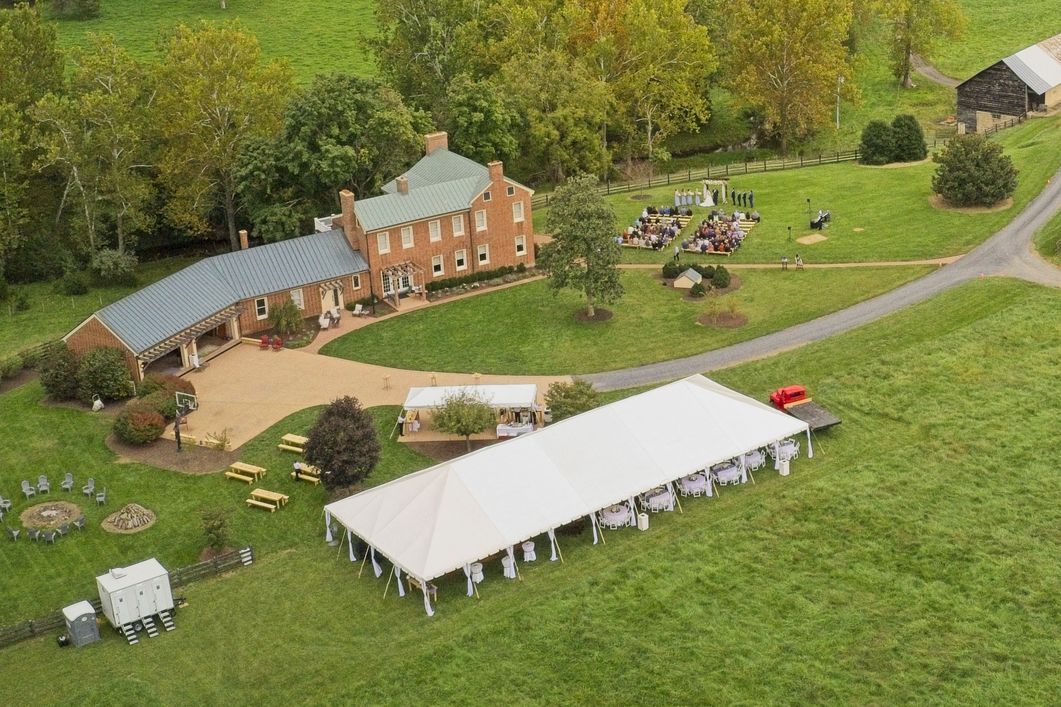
x,y
660,501
728,474
754,459
616,515
513,430
693,484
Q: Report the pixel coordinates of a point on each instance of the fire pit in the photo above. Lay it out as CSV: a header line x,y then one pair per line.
x,y
50,515
132,518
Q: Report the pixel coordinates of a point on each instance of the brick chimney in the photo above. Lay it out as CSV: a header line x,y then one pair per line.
x,y
436,141
348,221
497,171
402,183
244,242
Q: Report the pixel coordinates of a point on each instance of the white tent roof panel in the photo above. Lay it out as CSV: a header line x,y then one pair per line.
x,y
497,396
437,520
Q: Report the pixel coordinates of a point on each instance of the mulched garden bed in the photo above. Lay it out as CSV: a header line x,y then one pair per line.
x,y
444,451
163,454
599,315
24,376
723,320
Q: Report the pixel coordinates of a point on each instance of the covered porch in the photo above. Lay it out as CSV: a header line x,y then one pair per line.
x,y
194,346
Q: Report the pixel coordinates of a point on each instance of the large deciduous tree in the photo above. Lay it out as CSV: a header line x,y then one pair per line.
x,y
215,93
463,414
785,59
97,136
343,443
917,26
481,119
583,254
568,399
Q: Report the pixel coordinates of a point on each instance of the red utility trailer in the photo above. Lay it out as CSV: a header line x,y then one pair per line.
x,y
794,400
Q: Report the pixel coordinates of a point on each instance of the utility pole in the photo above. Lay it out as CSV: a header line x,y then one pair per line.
x,y
839,83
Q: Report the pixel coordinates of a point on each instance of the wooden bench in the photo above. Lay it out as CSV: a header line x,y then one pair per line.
x,y
307,477
310,469
236,475
261,504
290,448
413,583
247,469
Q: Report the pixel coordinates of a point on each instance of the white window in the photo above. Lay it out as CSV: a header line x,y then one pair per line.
x,y
483,252
486,196
517,212
480,220
521,245
383,242
407,236
296,297
434,228
460,260
436,265
511,191
387,287
357,282
458,225
261,308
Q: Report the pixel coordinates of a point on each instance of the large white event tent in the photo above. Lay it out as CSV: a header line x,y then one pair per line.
x,y
496,396
444,518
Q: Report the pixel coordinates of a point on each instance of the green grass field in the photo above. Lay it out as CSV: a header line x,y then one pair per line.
x,y
1048,240
51,315
525,330
890,206
314,37
996,31
913,560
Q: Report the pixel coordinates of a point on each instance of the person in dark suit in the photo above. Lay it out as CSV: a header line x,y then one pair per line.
x,y
751,199
714,196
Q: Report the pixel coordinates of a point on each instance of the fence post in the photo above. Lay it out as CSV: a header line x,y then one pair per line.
x,y
689,174
764,165
838,156
727,167
668,177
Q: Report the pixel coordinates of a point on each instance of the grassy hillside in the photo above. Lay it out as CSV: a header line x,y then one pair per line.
x,y
997,29
315,36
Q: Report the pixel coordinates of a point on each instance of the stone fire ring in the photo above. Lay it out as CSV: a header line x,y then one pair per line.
x,y
132,518
50,515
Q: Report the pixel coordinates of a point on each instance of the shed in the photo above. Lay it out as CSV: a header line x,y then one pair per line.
x,y
81,623
131,594
687,279
1026,82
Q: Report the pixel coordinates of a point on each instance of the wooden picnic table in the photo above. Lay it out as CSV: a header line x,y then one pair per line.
x,y
294,440
269,496
248,469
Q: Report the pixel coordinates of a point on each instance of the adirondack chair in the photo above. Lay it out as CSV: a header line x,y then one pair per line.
x,y
64,529
27,489
5,503
263,344
79,523
89,489
101,497
278,343
43,485
49,536
68,482
12,533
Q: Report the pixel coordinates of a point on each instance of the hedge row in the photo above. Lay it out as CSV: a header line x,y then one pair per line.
x,y
480,276
715,276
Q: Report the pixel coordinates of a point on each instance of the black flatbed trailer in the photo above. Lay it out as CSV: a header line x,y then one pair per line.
x,y
813,414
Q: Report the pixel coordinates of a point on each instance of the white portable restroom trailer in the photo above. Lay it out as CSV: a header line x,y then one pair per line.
x,y
132,594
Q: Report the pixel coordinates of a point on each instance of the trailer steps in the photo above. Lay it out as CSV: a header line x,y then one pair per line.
x,y
149,624
130,634
167,620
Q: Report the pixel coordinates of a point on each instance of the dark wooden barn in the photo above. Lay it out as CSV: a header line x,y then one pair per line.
x,y
1022,83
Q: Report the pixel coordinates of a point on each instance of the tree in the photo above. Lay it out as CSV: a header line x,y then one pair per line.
x,y
917,28
286,318
59,372
214,93
878,143
569,399
481,119
909,139
96,136
785,59
973,171
343,443
463,414
583,254
215,527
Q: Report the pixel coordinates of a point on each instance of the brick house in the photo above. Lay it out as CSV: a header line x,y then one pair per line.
x,y
444,217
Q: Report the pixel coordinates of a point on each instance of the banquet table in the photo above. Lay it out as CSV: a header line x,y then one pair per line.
x,y
514,429
787,449
728,474
754,459
659,500
616,515
694,484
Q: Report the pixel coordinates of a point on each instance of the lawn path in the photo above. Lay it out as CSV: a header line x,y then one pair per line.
x,y
1009,252
932,73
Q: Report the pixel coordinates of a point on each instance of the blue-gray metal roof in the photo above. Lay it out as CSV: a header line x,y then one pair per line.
x,y
442,166
166,308
389,210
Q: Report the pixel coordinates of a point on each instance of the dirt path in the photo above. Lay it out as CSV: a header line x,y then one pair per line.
x,y
932,73
818,266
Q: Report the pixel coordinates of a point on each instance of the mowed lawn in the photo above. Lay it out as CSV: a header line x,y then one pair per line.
x,y
995,31
1048,240
36,578
314,36
878,213
913,559
51,315
526,330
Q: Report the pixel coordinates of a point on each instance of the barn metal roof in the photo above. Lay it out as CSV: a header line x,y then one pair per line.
x,y
173,304
1039,65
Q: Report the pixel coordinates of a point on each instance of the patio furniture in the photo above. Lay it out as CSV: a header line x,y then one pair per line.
x,y
477,572
616,516
659,500
27,489
785,450
68,482
263,344
359,310
5,503
324,321
755,459
278,343
49,536
693,485
101,497
12,533
528,551
726,474
79,523
64,529
43,485
33,533
89,489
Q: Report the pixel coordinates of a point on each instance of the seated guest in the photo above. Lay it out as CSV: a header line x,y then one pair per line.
x,y
755,216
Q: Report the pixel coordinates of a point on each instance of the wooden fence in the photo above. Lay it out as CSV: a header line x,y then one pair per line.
x,y
732,169
177,578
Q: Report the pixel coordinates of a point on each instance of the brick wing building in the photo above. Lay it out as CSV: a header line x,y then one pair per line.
x,y
446,216
1026,82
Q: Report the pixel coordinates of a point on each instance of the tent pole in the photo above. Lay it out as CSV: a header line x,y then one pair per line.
x,y
559,553
678,501
389,578
362,565
340,548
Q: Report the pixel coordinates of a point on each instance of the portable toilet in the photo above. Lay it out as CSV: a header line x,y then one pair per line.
x,y
132,596
81,623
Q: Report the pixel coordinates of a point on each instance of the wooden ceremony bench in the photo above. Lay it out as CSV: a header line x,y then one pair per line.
x,y
247,469
290,448
236,475
260,504
306,477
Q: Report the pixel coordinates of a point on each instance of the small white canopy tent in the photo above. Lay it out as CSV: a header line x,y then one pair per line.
x,y
443,518
496,396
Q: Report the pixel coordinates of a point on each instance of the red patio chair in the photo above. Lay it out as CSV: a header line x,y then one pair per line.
x,y
278,343
263,345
